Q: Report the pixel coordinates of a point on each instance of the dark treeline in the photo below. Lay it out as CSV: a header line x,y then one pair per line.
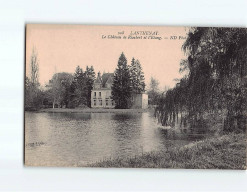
x,y
63,90
128,80
70,91
216,81
66,90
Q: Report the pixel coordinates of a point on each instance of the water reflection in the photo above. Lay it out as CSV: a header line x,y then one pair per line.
x,y
69,116
72,139
126,133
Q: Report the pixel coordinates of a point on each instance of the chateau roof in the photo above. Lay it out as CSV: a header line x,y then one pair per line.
x,y
98,79
105,78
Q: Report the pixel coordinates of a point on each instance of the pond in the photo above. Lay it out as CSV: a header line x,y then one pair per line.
x,y
76,139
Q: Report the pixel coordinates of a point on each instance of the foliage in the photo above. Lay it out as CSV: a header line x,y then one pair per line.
x,y
121,88
59,86
153,91
136,76
33,95
27,92
70,91
34,65
81,92
90,78
81,87
216,79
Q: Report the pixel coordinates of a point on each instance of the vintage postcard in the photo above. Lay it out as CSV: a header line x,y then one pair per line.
x,y
135,96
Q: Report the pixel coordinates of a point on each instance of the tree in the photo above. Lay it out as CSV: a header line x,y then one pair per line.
x,y
153,91
28,99
217,56
72,95
34,64
33,95
121,88
59,89
90,78
215,82
81,90
136,77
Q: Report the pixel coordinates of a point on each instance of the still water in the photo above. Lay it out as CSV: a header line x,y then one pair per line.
x,y
76,139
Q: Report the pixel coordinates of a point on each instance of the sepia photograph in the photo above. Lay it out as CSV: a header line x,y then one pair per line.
x,y
135,96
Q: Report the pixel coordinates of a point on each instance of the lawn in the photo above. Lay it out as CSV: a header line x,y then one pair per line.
x,y
221,152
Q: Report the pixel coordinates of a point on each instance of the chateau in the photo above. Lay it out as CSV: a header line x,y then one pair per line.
x,y
101,94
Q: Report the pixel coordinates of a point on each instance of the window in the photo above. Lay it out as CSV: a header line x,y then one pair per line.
x,y
112,102
94,102
106,102
100,102
99,94
94,94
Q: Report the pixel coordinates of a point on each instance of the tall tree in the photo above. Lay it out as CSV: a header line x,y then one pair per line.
x,y
90,78
216,79
153,91
121,88
33,98
81,91
34,65
136,76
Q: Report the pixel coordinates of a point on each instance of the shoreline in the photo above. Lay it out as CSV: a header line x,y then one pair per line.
x,y
220,152
91,110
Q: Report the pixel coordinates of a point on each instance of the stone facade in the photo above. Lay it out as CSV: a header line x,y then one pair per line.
x,y
101,94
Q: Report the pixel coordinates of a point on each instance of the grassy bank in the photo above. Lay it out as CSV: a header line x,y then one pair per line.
x,y
222,152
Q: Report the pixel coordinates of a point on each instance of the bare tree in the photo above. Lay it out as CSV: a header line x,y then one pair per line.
x,y
32,92
34,64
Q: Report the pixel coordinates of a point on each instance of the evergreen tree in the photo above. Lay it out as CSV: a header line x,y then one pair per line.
x,y
141,77
121,88
81,90
90,78
137,77
72,95
83,84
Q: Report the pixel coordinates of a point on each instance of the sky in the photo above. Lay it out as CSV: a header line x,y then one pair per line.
x,y
60,48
